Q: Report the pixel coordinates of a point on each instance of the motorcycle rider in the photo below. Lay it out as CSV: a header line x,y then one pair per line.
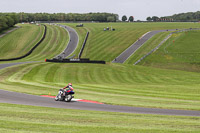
x,y
64,91
70,88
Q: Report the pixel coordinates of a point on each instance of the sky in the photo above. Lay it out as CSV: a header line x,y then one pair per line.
x,y
140,9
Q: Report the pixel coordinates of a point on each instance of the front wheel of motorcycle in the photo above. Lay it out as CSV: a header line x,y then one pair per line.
x,y
68,98
56,98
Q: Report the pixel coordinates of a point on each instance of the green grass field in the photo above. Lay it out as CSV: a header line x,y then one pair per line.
x,y
107,45
139,86
20,41
118,84
147,47
4,31
111,83
23,119
180,52
55,42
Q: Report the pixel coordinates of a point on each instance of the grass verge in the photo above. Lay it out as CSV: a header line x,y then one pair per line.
x,y
21,118
146,47
55,42
180,52
20,41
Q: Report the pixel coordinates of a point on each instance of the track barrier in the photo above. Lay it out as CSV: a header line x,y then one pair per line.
x,y
81,51
83,60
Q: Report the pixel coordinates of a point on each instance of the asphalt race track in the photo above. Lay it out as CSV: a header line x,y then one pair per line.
x,y
16,27
129,51
73,42
13,64
25,99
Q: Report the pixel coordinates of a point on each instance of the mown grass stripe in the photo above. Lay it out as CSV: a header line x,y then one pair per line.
x,y
20,118
16,43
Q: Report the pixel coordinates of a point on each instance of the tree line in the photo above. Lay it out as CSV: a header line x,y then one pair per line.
x,y
185,17
181,17
100,17
10,19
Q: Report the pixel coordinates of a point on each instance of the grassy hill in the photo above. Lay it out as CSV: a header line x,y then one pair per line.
x,y
119,84
55,42
146,47
107,45
111,83
139,86
19,42
180,52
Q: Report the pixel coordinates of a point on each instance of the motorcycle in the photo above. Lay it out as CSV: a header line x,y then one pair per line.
x,y
64,95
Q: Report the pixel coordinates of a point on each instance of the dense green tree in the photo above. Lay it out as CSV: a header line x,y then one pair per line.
x,y
111,19
185,17
131,19
149,19
124,18
155,18
6,21
3,24
9,21
15,17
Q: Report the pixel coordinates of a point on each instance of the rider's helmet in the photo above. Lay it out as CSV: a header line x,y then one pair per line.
x,y
70,84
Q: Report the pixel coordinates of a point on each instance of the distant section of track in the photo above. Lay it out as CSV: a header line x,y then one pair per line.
x,y
72,44
13,64
17,27
131,50
165,39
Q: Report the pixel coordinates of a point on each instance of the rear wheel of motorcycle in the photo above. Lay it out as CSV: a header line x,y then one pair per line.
x,y
68,98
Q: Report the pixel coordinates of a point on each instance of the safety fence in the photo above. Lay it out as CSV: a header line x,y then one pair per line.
x,y
83,46
83,60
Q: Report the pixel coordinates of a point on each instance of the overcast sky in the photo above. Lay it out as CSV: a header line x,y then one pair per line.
x,y
140,9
